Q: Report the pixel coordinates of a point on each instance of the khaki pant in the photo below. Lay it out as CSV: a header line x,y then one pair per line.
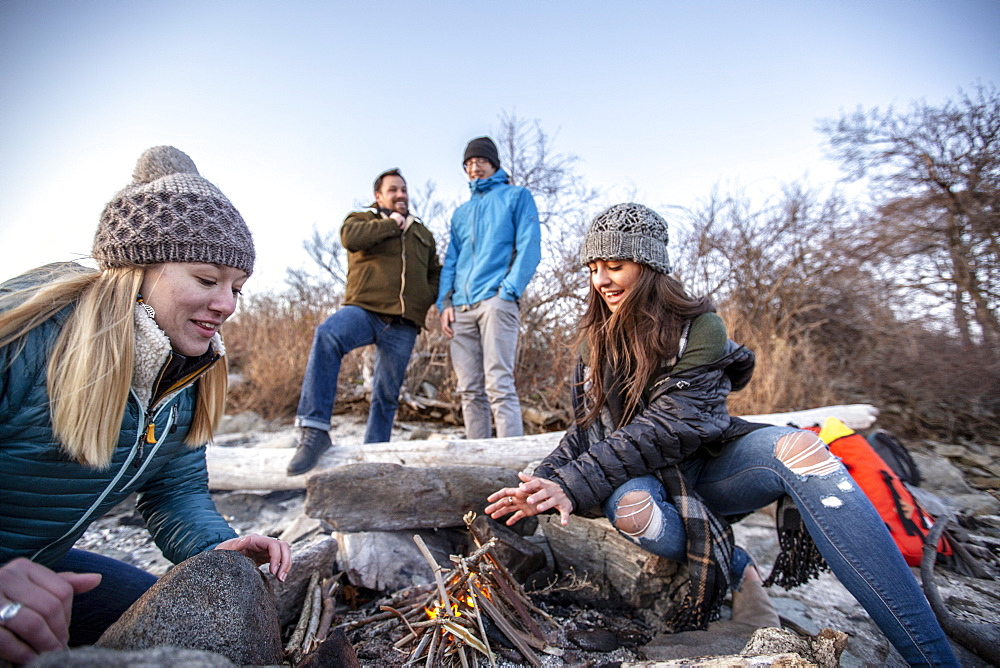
x,y
483,350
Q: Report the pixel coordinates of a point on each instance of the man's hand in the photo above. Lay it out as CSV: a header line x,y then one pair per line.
x,y
400,220
46,598
262,550
448,317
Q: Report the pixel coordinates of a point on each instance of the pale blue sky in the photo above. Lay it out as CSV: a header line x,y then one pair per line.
x,y
292,108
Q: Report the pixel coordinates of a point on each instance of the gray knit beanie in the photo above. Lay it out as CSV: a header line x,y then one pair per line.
x,y
170,213
628,232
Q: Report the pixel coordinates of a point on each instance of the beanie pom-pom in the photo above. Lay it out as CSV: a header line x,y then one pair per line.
x,y
160,161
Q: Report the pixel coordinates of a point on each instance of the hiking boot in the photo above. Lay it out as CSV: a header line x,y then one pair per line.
x,y
312,444
752,605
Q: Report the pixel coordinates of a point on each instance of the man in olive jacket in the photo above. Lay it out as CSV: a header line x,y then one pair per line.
x,y
392,279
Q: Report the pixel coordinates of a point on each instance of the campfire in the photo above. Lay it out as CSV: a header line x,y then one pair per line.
x,y
474,607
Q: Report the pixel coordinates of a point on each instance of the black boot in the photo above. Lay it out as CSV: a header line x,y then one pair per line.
x,y
312,444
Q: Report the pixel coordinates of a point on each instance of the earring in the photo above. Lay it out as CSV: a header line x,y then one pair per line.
x,y
149,309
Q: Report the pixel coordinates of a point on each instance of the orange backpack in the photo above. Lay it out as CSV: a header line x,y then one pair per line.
x,y
906,520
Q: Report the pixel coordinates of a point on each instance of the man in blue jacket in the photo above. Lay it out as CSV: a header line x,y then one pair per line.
x,y
493,251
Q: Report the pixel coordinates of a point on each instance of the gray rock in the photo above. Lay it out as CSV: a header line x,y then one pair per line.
x,y
594,640
939,475
822,649
948,482
301,528
723,637
239,423
315,555
216,601
389,497
154,657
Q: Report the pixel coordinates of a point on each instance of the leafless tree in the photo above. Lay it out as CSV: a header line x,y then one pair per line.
x,y
936,177
552,304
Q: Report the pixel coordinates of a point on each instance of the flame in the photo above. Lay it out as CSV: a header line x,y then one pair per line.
x,y
456,607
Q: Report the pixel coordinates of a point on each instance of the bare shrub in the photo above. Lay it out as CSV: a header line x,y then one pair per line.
x,y
927,384
554,300
762,265
268,344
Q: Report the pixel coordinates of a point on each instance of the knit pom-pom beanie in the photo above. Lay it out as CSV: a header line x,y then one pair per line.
x,y
170,213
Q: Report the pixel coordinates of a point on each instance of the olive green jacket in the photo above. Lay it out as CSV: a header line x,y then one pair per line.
x,y
390,272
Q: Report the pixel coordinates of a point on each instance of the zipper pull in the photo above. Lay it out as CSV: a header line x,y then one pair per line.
x,y
151,433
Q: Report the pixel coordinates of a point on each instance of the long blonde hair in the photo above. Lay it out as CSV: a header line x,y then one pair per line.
x,y
90,367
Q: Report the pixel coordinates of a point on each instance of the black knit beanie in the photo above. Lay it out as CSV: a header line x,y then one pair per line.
x,y
483,147
171,213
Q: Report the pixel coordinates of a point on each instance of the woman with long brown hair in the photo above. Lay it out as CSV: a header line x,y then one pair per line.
x,y
654,448
111,382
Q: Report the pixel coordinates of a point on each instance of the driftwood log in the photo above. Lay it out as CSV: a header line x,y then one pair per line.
x,y
610,567
389,497
263,466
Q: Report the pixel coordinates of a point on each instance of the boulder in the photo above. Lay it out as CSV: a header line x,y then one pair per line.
x,y
216,601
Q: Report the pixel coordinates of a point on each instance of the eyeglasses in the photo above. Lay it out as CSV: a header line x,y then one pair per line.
x,y
476,162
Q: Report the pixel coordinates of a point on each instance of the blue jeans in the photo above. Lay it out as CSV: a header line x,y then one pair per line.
x,y
844,525
349,328
94,611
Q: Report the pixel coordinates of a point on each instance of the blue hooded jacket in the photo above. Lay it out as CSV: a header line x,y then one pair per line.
x,y
495,244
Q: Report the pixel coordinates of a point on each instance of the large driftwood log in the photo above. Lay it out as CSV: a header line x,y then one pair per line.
x,y
389,497
263,466
614,567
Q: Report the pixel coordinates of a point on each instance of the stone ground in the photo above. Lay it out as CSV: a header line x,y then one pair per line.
x,y
634,636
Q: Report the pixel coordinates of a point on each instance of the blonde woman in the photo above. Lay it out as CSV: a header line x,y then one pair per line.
x,y
111,382
654,448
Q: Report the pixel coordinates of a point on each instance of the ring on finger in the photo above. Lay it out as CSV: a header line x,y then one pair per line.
x,y
9,611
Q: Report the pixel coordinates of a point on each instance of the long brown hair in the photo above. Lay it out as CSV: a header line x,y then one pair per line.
x,y
642,335
90,367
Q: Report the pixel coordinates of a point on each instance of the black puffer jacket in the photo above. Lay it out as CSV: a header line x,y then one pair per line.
x,y
685,412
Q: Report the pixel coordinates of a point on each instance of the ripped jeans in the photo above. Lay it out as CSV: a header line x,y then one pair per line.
x,y
849,533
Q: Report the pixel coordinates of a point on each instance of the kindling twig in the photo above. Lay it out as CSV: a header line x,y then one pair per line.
x,y
295,642
435,567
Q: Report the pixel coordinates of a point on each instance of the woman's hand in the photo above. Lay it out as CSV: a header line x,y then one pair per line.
x,y
534,495
262,550
46,598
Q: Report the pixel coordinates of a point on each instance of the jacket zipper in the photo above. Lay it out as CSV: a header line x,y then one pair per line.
x,y
472,243
144,430
402,278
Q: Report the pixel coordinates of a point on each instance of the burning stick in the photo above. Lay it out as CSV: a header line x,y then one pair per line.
x,y
435,567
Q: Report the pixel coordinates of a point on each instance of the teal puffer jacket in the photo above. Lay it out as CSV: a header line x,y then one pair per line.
x,y
48,500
